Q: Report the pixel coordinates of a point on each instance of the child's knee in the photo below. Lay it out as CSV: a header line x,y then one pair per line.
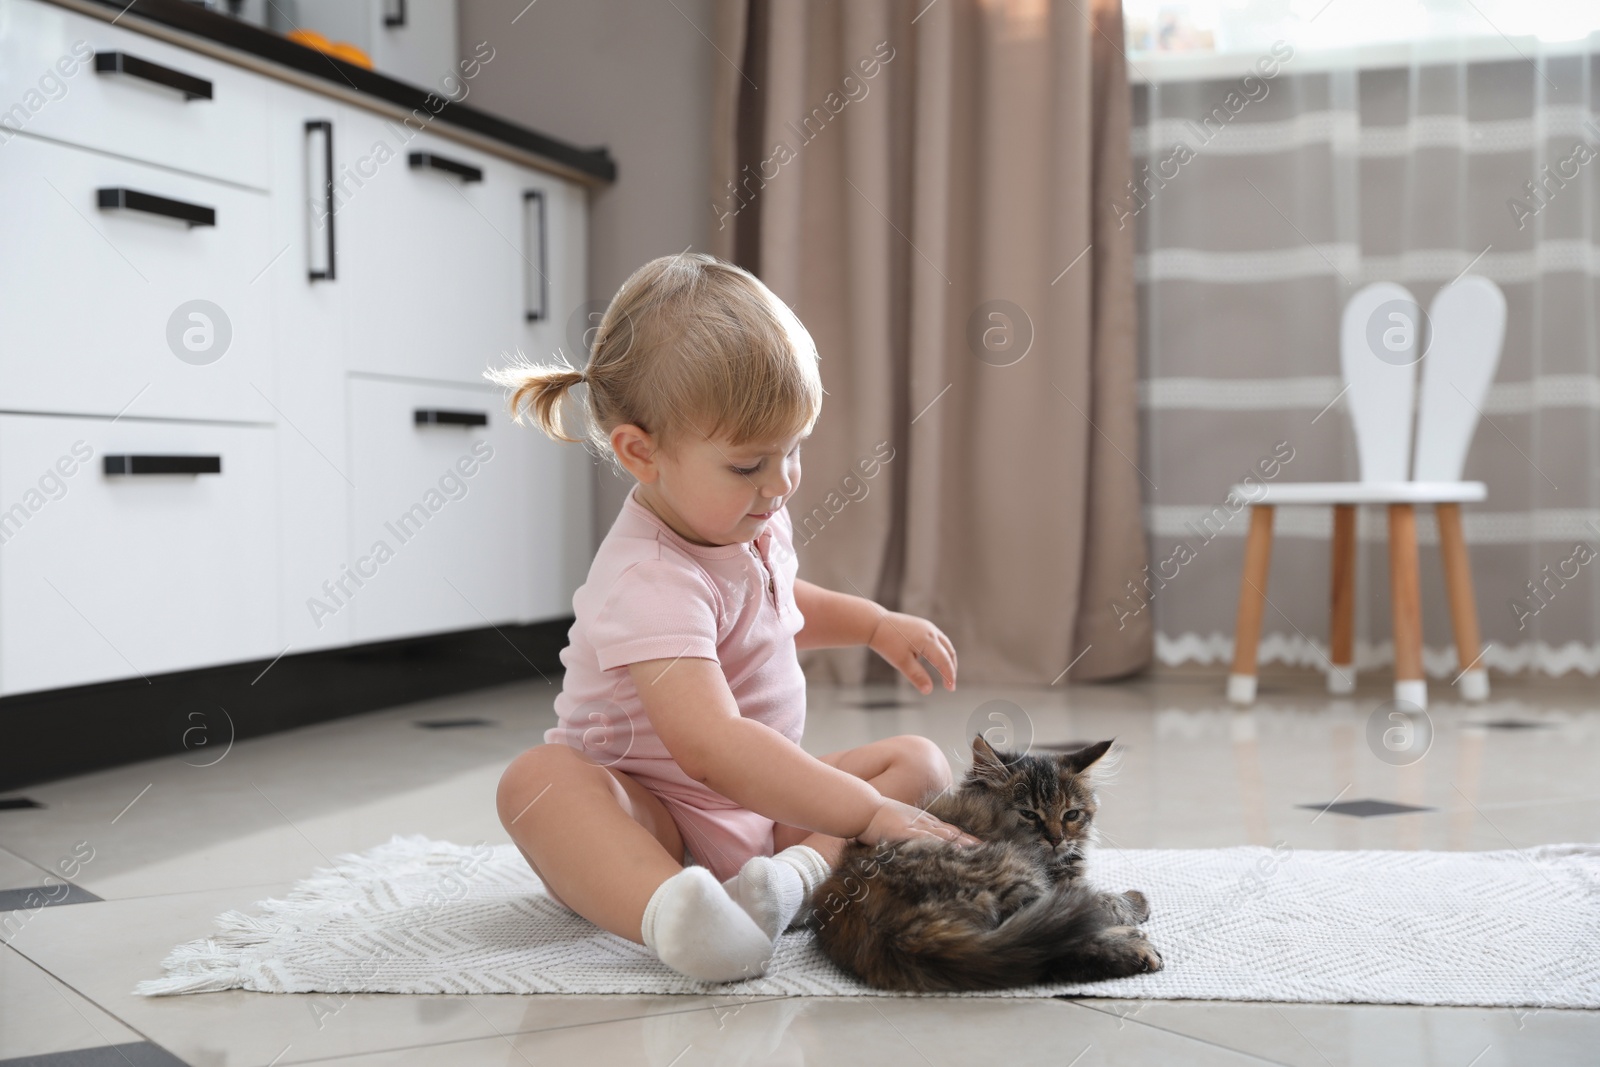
x,y
527,777
924,757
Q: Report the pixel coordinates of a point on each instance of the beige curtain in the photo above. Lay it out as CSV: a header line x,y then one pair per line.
x,y
929,185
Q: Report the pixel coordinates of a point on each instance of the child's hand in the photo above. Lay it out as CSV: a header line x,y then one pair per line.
x,y
897,821
901,639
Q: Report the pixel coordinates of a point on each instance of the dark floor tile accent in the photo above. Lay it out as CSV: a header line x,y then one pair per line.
x,y
13,803
133,1054
445,724
29,897
1515,724
1362,809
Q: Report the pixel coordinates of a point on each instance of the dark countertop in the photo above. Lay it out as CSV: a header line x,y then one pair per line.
x,y
248,37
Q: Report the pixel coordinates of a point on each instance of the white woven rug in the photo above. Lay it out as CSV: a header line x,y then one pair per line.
x,y
1508,928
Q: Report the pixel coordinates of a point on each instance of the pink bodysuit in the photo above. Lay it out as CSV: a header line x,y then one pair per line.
x,y
651,594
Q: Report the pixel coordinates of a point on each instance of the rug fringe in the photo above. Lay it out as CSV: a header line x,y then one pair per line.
x,y
213,964
198,967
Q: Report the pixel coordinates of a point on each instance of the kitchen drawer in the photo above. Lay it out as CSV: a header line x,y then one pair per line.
x,y
418,246
437,533
49,87
98,302
118,576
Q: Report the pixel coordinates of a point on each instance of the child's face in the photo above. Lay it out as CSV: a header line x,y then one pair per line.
x,y
715,493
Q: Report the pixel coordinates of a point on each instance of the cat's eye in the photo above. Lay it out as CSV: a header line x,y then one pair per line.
x,y
1073,815
1031,816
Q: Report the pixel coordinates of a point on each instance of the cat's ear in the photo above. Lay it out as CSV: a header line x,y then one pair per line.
x,y
1079,761
987,766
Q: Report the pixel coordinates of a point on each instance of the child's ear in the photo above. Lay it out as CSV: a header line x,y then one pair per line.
x,y
1079,761
987,765
636,451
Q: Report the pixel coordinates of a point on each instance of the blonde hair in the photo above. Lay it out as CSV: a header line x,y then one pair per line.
x,y
690,345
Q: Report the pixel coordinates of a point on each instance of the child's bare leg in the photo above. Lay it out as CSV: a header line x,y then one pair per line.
x,y
599,840
609,850
905,768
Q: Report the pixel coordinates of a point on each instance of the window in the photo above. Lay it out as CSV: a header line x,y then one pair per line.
x,y
1200,37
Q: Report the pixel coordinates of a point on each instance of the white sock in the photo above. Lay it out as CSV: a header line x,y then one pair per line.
x,y
697,929
775,889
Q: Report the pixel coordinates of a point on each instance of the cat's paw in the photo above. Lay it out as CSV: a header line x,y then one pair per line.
x,y
1125,909
1125,951
1152,960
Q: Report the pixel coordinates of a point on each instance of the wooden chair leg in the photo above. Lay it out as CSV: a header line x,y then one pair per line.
x,y
1252,602
1463,607
1405,595
1342,626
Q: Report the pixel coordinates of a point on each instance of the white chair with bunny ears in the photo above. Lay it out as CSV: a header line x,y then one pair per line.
x,y
1379,335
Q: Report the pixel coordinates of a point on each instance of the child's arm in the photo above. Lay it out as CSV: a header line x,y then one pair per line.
x,y
834,620
694,713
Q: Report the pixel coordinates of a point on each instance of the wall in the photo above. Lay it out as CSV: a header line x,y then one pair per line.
x,y
634,77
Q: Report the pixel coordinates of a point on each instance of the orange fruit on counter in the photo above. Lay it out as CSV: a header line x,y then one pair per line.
x,y
349,53
309,38
338,49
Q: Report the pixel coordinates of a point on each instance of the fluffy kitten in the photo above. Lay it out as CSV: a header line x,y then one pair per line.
x,y
936,916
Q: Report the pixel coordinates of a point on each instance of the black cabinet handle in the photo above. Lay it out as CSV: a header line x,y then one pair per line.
x,y
163,464
133,200
326,128
191,87
435,417
461,170
537,288
396,18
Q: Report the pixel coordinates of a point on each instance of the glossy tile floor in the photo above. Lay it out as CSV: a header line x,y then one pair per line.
x,y
157,849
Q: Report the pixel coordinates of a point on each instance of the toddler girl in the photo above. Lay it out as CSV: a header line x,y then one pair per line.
x,y
673,804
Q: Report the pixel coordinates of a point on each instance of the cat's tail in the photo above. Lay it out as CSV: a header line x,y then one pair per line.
x,y
1061,937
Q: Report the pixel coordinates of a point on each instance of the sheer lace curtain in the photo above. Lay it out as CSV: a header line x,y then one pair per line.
x,y
1262,201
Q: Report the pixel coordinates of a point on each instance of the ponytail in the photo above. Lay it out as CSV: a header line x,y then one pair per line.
x,y
536,393
689,345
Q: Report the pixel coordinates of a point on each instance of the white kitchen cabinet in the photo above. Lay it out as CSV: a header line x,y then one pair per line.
x,y
437,536
339,328
551,237
166,105
91,294
113,576
418,244
309,338
560,474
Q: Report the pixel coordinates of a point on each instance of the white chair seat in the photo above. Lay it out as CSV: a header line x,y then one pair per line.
x,y
1362,492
